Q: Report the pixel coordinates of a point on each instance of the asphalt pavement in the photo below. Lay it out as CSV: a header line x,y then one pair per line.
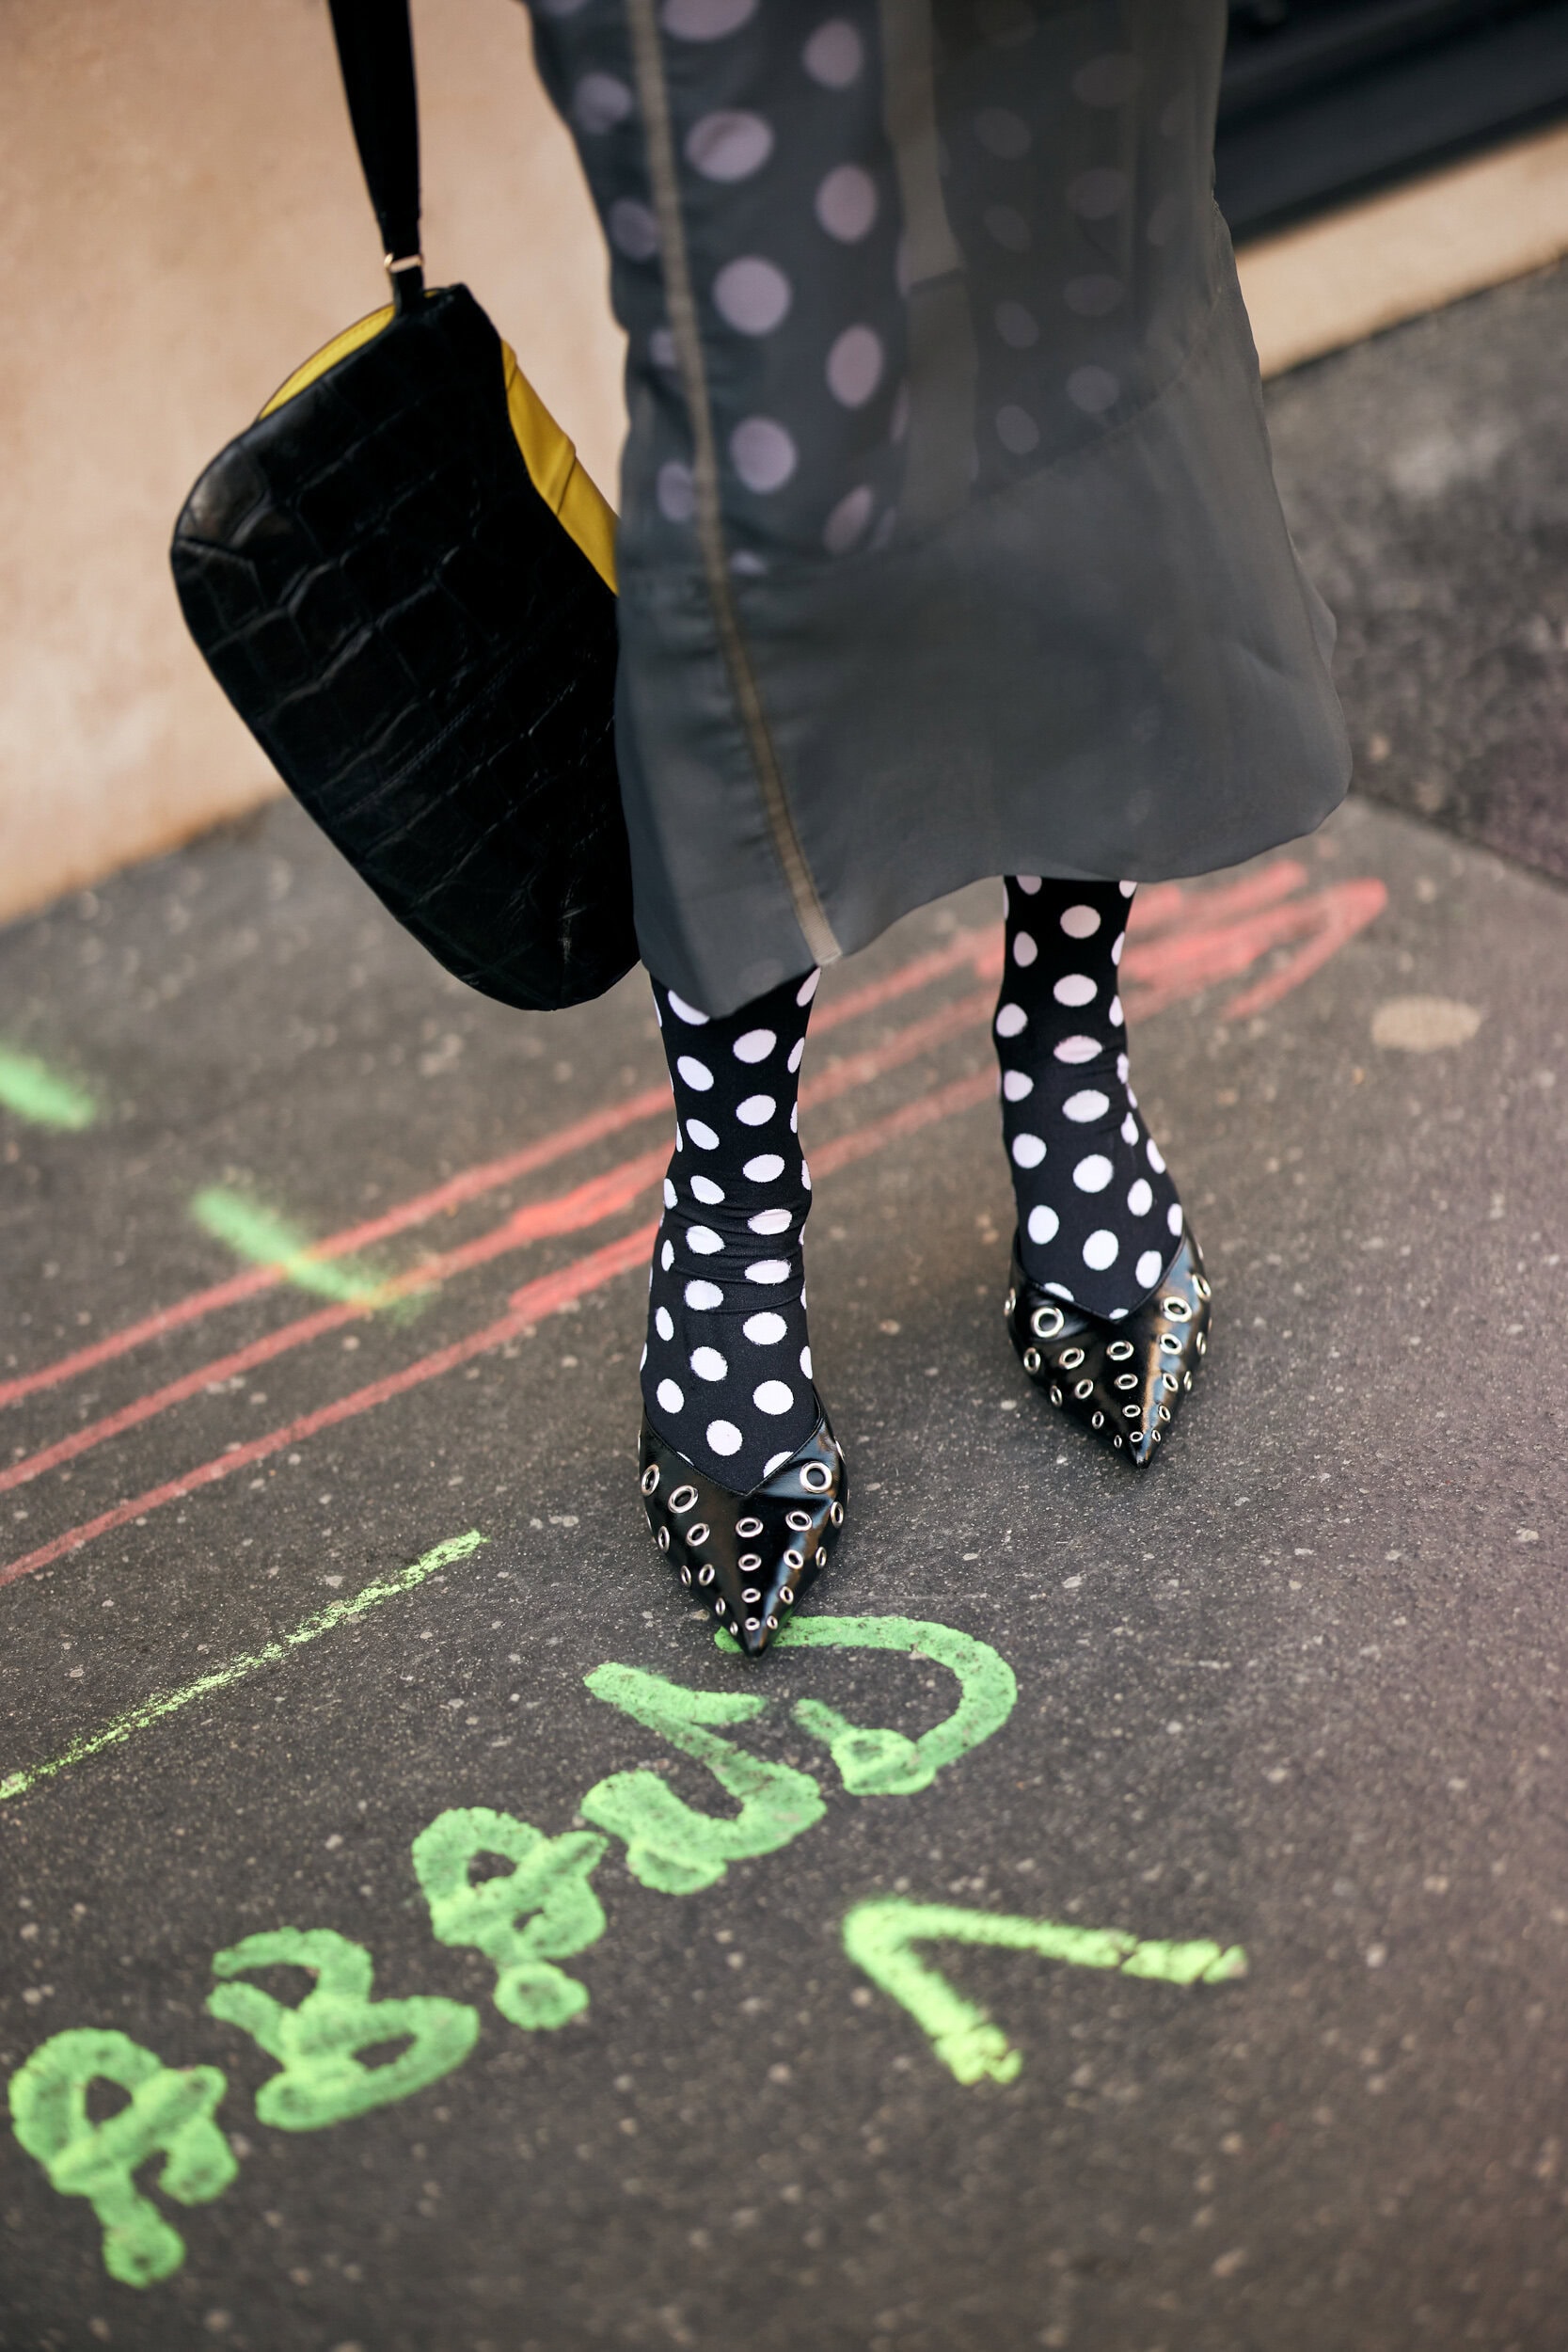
x,y
1180,1967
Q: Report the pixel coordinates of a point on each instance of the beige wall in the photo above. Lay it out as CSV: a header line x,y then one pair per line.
x,y
181,222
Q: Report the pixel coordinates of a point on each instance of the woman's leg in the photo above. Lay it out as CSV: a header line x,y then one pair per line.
x,y
1098,1215
726,1375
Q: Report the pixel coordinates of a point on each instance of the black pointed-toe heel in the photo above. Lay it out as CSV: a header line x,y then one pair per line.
x,y
752,1557
1124,1380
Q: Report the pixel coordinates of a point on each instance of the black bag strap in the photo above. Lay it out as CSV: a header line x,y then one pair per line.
x,y
375,50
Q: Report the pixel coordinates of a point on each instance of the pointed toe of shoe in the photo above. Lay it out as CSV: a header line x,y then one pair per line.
x,y
1123,1381
749,1558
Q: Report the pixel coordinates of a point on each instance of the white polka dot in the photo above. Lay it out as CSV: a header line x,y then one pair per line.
x,y
1059,1290
1007,228
1002,133
765,1330
705,1241
1100,1250
855,366
598,102
706,20
696,1073
768,1270
794,1117
1011,1020
703,1135
729,145
664,1324
755,1046
1093,1174
703,1188
807,989
1024,949
633,230
1043,1224
772,1396
762,453
1018,327
1146,1271
1094,296
753,295
724,1436
1028,883
1017,431
1080,922
1075,988
1116,945
667,1256
669,1194
805,1361
1089,1105
1173,1216
708,1364
683,1012
1130,1129
1096,195
795,1051
1108,81
1016,1085
1127,888
1117,1015
757,1111
765,1169
704,1295
834,55
1076,1049
770,1221
805,1176
672,488
1121,1074
747,565
1093,389
669,1396
847,521
642,1359
1028,1151
1156,1160
1141,1198
846,203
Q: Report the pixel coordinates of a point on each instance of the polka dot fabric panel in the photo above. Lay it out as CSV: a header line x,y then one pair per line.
x,y
946,471
726,1375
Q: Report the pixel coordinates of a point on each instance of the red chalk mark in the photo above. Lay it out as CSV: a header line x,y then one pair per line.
x,y
1340,911
548,1294
1186,957
981,950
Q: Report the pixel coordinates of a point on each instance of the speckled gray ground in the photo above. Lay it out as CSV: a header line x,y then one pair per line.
x,y
1426,478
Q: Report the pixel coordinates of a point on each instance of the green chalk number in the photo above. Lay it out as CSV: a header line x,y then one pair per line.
x,y
547,1886
669,1845
321,2078
169,2112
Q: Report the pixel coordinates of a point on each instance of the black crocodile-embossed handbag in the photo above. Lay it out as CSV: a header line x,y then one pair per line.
x,y
404,582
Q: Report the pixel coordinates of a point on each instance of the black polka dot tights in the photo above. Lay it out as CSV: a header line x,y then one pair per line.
x,y
726,1375
1098,1216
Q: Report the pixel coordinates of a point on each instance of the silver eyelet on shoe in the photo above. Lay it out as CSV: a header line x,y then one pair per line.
x,y
752,1623
696,1532
705,1574
1046,1322
718,1607
1169,1382
786,1594
753,1593
1164,1415
686,1575
650,1479
1186,1379
748,1562
662,1539
795,1560
1083,1388
817,1477
1203,1286
683,1497
1096,1420
1130,1412
1031,1360
1055,1396
1126,1380
751,1526
1177,1309
799,1520
1010,1303
1119,1351
1069,1359
1201,1342
1116,1441
1169,1341
836,1515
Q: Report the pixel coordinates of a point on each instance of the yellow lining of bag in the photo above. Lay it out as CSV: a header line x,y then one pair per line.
x,y
567,490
